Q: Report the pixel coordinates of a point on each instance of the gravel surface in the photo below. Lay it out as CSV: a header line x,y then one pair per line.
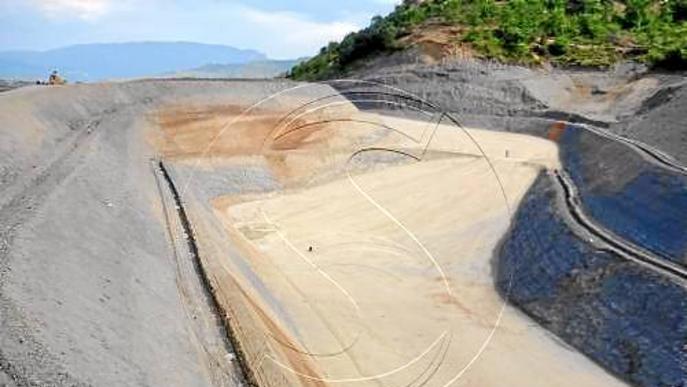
x,y
95,282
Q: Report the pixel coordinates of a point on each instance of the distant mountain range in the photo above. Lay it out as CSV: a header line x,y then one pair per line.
x,y
256,69
93,62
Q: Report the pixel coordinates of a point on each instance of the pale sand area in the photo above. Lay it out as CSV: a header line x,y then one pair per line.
x,y
398,287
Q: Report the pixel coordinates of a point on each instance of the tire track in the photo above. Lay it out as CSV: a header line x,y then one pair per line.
x,y
19,207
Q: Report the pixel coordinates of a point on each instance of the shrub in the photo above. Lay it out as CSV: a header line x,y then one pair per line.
x,y
584,32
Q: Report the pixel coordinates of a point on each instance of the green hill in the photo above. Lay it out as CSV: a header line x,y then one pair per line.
x,y
582,32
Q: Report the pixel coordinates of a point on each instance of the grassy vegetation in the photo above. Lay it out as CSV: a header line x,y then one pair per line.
x,y
575,32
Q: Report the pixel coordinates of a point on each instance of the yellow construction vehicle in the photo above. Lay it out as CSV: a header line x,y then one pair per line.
x,y
56,79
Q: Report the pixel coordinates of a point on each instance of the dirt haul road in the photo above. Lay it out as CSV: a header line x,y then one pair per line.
x,y
341,247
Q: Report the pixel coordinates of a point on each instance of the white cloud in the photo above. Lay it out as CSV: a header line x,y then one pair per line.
x,y
82,9
295,32
286,33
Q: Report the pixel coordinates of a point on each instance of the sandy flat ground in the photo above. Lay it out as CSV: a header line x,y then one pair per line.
x,y
381,275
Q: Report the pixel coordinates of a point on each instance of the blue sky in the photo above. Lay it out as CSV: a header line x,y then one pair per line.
x,y
281,29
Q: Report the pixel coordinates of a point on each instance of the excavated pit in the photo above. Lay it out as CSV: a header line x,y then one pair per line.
x,y
271,233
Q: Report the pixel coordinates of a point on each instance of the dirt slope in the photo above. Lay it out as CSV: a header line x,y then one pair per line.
x,y
93,290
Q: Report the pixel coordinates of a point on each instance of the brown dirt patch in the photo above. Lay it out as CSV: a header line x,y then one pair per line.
x,y
211,131
298,362
438,41
556,131
190,131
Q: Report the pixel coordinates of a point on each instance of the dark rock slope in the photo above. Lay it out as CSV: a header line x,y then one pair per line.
x,y
639,201
630,320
